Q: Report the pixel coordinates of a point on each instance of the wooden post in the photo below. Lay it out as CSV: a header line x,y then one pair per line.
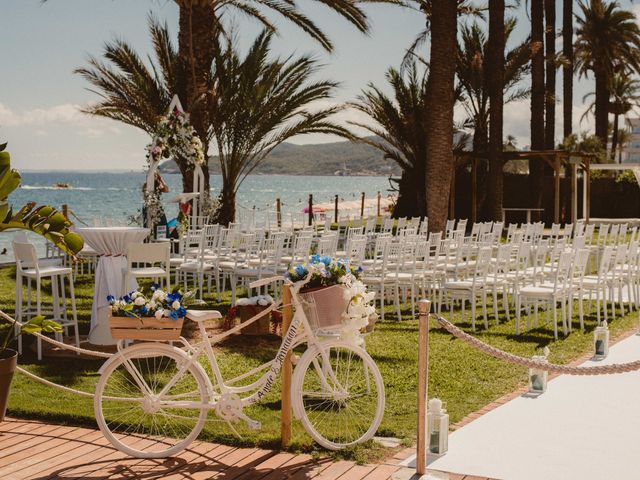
x,y
556,190
335,210
378,204
362,206
474,190
574,192
279,212
423,385
452,196
588,196
65,211
285,402
310,209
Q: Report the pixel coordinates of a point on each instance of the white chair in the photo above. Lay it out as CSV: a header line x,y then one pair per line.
x,y
28,267
547,293
148,260
471,288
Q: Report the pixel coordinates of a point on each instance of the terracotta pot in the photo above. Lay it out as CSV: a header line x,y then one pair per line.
x,y
8,363
262,326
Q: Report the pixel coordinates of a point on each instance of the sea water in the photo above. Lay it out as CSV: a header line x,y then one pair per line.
x,y
112,198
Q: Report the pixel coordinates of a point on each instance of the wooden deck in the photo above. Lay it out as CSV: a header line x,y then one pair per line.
x,y
36,450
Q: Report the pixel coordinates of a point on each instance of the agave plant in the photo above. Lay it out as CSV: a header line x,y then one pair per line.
x,y
43,220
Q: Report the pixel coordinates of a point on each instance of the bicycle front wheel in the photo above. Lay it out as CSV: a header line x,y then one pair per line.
x,y
146,406
338,395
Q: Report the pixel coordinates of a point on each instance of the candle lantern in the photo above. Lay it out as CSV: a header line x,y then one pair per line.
x,y
601,341
437,427
538,376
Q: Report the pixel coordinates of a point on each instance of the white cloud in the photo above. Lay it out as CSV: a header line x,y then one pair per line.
x,y
57,114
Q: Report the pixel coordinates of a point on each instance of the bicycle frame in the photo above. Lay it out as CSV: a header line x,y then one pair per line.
x,y
263,385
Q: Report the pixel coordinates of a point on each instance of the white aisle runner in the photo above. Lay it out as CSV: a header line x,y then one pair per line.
x,y
581,428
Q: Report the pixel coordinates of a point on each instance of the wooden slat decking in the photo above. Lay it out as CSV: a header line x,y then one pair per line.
x,y
36,450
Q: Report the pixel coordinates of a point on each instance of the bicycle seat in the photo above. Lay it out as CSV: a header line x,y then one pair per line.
x,y
203,315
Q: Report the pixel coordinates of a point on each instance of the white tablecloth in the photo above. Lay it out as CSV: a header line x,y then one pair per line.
x,y
111,244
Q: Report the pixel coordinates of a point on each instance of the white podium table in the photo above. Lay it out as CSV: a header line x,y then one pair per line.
x,y
111,244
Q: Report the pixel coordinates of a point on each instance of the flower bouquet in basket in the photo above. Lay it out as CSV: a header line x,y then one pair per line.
x,y
334,298
152,315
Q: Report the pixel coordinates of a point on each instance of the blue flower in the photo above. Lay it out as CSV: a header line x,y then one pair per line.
x,y
172,297
111,298
155,286
326,260
315,258
174,315
359,269
300,270
126,299
144,310
181,312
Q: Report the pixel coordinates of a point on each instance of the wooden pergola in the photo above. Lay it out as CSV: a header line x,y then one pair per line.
x,y
556,159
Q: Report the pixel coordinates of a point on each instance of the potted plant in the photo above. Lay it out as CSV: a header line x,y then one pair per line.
x,y
334,298
9,357
52,225
149,315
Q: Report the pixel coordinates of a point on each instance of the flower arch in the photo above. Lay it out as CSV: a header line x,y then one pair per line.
x,y
175,137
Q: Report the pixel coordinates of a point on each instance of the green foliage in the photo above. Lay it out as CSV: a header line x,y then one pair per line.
x,y
37,324
44,220
627,176
585,143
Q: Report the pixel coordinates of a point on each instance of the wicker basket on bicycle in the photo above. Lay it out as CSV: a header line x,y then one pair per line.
x,y
144,328
324,307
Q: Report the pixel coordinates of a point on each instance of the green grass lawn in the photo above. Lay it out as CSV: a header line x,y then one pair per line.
x,y
461,376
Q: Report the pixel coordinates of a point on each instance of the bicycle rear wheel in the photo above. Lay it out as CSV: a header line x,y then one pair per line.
x,y
338,395
133,415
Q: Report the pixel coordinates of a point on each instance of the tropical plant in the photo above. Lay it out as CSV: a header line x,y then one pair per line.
x,y
608,42
256,104
399,131
585,143
536,169
44,220
472,77
625,95
624,138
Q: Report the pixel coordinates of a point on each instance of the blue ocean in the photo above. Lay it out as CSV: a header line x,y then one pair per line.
x,y
112,198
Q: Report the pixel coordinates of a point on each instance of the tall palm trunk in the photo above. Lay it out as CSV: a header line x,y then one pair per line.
x,y
440,93
197,45
614,136
602,105
567,68
550,86
495,84
227,212
536,169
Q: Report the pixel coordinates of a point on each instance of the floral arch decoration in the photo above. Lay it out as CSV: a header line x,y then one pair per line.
x,y
175,137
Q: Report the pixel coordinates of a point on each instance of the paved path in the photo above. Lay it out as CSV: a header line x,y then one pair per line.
x,y
36,450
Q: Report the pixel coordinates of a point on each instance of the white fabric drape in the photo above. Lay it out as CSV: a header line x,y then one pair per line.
x,y
111,244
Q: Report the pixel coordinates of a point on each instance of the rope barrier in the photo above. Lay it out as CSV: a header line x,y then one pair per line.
x,y
529,362
78,218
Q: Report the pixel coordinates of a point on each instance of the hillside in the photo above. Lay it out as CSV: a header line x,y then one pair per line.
x,y
316,159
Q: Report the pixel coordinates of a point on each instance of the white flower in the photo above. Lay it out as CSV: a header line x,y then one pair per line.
x,y
135,295
175,305
139,301
152,304
159,313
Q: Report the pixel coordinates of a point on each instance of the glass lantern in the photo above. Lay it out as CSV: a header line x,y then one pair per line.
x,y
601,341
437,427
538,376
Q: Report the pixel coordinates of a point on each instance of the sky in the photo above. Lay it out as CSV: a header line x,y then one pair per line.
x,y
41,97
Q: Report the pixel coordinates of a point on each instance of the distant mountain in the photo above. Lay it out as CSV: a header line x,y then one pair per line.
x,y
337,158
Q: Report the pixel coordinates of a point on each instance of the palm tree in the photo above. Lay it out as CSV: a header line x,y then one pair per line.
x,y
256,103
550,71
398,132
472,79
625,95
567,67
440,98
608,42
536,169
624,137
495,86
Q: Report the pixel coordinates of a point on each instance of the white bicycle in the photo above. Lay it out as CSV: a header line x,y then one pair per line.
x,y
152,399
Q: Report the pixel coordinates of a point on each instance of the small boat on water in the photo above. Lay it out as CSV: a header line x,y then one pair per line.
x,y
61,185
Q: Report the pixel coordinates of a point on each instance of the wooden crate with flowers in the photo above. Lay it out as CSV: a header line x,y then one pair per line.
x,y
154,315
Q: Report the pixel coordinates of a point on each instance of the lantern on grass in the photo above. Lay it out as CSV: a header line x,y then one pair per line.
x,y
437,427
538,376
601,341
